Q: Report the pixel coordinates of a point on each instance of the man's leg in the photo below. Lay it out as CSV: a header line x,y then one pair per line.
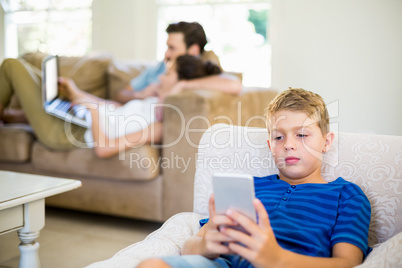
x,y
19,78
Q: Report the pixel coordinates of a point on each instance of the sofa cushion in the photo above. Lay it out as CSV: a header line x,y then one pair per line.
x,y
135,164
15,143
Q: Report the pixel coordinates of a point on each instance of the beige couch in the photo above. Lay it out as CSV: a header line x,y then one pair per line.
x,y
150,182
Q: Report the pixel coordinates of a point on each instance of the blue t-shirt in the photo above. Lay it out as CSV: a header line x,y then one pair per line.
x,y
148,76
311,218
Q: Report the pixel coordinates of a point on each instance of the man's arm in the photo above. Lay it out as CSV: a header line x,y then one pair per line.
x,y
223,83
128,93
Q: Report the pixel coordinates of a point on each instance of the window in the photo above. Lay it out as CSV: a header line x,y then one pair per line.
x,y
237,32
61,27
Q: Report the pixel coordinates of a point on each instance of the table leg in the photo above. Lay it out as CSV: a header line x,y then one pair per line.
x,y
29,250
34,220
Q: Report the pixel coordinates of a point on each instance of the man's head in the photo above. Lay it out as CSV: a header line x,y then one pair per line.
x,y
185,38
298,128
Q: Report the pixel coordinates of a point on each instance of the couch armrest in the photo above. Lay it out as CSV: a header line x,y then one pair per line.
x,y
166,241
186,117
387,254
15,143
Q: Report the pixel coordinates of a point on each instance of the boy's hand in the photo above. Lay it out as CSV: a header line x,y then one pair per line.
x,y
212,238
260,247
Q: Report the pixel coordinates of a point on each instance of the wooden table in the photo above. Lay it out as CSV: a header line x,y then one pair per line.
x,y
22,208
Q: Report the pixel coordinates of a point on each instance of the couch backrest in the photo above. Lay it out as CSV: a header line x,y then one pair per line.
x,y
374,162
97,73
89,72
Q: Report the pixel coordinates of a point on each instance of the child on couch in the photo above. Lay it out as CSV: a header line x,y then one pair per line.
x,y
303,221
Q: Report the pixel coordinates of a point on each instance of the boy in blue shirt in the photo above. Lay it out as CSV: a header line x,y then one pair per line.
x,y
303,221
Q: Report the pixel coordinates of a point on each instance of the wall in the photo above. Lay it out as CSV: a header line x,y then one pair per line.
x,y
125,28
1,34
348,51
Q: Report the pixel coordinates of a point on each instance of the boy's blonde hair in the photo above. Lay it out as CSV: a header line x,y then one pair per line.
x,y
300,100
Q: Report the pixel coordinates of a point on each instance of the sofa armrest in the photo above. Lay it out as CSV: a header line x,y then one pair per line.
x,y
16,143
186,116
166,241
387,254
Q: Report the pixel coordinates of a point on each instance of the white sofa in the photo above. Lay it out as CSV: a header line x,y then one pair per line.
x,y
374,162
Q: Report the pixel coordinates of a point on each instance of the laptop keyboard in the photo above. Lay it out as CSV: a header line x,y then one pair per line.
x,y
63,106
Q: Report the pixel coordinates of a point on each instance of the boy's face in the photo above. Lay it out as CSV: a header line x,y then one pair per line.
x,y
297,145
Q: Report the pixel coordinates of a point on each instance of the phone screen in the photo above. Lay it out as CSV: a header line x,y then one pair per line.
x,y
235,191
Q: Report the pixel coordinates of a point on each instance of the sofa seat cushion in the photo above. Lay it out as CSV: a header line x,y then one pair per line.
x,y
137,164
15,143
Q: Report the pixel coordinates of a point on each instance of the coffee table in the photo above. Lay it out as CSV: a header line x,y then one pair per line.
x,y
22,208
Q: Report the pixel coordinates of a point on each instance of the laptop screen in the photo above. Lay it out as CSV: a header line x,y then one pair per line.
x,y
50,76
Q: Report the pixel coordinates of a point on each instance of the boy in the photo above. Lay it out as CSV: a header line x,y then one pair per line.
x,y
311,223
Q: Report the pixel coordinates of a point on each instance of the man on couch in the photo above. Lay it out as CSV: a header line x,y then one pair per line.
x,y
183,38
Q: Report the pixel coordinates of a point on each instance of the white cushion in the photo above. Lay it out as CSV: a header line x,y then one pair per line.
x,y
167,240
387,254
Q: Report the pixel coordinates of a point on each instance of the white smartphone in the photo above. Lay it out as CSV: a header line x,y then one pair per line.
x,y
235,191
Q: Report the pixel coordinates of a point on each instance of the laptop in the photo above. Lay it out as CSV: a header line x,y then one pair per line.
x,y
53,103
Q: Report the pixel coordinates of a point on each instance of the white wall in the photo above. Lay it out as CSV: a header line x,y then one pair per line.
x,y
125,28
349,52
